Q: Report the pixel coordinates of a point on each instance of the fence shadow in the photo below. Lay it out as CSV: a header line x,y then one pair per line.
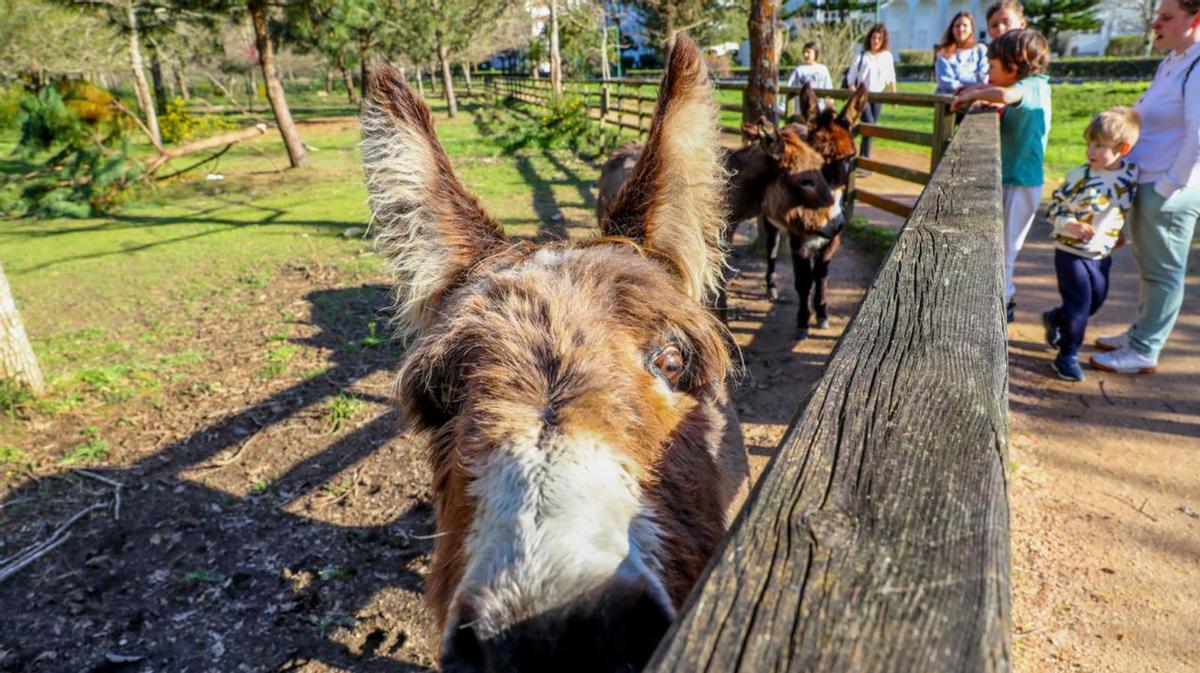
x,y
195,575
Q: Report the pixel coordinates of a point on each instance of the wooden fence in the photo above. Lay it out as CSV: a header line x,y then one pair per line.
x,y
629,104
877,539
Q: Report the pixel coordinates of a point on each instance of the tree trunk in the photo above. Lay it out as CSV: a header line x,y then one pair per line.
x,y
466,68
555,55
283,116
420,81
604,72
764,63
328,81
364,67
347,79
447,80
181,80
156,77
17,361
140,87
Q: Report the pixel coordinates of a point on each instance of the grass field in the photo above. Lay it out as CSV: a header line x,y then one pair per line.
x,y
111,303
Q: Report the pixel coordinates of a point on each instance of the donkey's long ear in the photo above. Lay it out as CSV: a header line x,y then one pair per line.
x,y
809,106
673,203
430,228
853,109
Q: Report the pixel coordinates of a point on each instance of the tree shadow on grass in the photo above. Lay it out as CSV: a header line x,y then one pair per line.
x,y
197,574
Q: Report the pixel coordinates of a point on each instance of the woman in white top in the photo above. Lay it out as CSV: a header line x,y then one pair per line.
x,y
810,72
873,68
1167,206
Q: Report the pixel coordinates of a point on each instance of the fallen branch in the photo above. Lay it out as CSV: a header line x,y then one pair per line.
x,y
211,157
140,124
1140,510
117,486
204,144
40,549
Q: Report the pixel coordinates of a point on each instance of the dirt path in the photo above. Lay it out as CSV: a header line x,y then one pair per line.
x,y
1105,487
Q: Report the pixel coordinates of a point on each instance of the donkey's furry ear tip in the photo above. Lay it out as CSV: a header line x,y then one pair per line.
x,y
387,89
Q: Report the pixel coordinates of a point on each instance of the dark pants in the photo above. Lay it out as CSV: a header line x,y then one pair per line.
x,y
870,115
1083,285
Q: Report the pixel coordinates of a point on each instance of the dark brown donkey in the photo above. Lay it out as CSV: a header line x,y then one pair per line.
x,y
831,136
583,448
778,176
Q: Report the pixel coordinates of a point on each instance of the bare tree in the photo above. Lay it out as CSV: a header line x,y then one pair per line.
x,y
275,94
556,75
17,360
763,83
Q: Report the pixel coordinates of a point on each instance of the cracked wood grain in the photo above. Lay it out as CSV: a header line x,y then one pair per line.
x,y
877,539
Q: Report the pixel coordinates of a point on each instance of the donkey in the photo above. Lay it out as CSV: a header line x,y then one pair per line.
x,y
573,395
831,136
778,176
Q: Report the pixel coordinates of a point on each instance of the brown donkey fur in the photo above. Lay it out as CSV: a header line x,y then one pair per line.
x,y
812,248
778,176
573,395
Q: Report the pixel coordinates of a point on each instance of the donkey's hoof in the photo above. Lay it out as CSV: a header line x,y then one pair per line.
x,y
801,333
772,293
823,323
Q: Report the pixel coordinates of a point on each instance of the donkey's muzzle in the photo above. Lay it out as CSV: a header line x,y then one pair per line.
x,y
615,631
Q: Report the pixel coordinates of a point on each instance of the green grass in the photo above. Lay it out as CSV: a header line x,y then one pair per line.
x,y
343,408
93,450
111,303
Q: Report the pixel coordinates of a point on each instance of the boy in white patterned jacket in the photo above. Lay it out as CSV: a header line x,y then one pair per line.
x,y
1088,213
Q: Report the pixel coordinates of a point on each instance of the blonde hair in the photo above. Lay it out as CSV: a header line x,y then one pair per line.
x,y
1114,127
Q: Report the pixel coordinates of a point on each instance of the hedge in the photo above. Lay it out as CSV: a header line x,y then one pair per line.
x,y
1139,68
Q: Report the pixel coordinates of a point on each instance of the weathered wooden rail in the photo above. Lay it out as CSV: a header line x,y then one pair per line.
x,y
629,103
877,539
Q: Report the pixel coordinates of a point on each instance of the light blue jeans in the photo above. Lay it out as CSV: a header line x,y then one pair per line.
x,y
1161,233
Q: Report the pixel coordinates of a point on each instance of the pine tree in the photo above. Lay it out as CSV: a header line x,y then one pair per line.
x,y
1052,17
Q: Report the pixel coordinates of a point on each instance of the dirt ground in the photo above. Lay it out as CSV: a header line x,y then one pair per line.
x,y
247,534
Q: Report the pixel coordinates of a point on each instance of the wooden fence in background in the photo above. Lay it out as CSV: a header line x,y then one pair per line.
x,y
629,104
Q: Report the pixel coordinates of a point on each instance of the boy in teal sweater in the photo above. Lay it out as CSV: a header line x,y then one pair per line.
x,y
1018,83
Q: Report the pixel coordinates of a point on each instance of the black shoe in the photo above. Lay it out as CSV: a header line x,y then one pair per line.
x,y
1011,310
1049,322
1067,368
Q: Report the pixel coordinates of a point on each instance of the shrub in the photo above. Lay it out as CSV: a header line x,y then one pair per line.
x,y
10,106
916,57
560,124
1126,45
177,124
1069,68
89,162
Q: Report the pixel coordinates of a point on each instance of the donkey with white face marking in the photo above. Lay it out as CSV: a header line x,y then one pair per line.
x,y
583,448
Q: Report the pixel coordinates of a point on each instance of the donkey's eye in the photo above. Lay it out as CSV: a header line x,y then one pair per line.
x,y
808,183
669,362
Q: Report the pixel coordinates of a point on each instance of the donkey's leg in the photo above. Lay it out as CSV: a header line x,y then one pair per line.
x,y
803,271
722,304
821,280
771,234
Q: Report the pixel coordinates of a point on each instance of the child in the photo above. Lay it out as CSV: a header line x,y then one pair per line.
x,y
1017,65
814,74
1088,212
1005,16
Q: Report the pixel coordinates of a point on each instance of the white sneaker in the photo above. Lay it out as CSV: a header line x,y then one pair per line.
x,y
1124,361
1113,341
